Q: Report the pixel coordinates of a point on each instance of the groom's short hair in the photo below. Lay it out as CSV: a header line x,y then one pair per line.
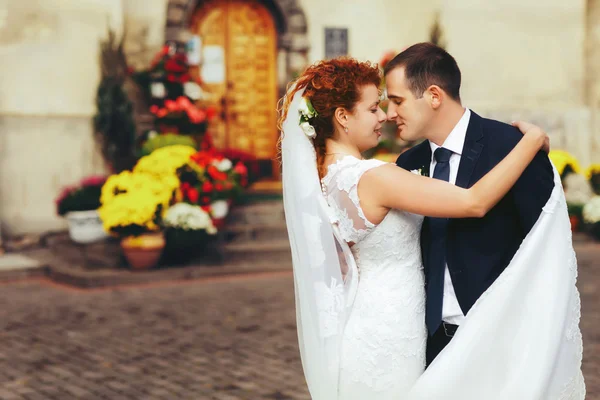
x,y
426,64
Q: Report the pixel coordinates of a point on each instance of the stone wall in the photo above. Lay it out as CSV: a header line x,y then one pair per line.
x,y
48,77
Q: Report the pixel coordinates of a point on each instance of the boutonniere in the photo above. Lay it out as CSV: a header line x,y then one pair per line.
x,y
421,171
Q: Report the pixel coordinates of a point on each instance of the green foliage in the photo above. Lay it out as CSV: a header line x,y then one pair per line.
x,y
114,124
165,140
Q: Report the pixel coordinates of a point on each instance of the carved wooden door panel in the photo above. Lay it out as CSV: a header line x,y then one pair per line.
x,y
243,35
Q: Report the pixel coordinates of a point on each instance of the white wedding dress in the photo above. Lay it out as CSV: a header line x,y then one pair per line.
x,y
383,345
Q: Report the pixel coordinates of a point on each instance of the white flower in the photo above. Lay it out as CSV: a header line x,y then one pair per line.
x,y
591,211
192,90
189,217
152,134
417,171
223,165
308,129
157,89
578,189
303,107
219,209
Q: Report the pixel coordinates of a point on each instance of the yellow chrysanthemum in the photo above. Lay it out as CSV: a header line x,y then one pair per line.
x,y
164,161
133,208
561,159
593,169
127,182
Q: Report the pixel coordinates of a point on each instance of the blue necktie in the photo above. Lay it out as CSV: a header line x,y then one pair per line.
x,y
437,250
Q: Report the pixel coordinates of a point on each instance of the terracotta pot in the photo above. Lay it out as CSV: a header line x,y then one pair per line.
x,y
143,251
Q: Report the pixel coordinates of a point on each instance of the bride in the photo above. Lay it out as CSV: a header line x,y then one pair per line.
x,y
354,229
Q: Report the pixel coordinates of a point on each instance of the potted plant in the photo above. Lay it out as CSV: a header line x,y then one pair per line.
x,y
188,228
593,176
591,217
133,206
212,181
565,163
78,204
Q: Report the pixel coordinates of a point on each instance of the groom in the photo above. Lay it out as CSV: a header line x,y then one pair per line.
x,y
461,257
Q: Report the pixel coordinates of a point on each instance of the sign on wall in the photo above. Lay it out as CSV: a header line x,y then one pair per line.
x,y
213,67
336,42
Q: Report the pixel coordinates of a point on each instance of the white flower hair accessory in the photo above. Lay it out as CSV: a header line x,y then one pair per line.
x,y
307,111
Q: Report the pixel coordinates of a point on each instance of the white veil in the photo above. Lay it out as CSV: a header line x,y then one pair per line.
x,y
325,274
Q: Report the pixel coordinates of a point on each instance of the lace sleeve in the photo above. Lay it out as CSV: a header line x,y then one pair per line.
x,y
341,185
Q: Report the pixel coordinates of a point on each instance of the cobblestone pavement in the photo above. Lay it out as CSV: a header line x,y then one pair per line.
x,y
223,339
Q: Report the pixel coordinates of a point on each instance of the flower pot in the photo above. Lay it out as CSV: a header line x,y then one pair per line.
x,y
594,230
184,245
220,209
85,226
143,251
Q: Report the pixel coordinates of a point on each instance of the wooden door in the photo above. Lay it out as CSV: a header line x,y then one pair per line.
x,y
239,68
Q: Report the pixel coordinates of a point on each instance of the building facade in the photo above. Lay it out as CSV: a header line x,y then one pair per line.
x,y
519,59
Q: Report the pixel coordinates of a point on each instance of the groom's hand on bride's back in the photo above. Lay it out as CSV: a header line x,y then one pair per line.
x,y
527,127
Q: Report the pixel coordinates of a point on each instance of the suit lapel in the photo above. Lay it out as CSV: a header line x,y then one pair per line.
x,y
423,157
471,151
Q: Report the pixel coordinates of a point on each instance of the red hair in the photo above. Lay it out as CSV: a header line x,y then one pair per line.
x,y
330,84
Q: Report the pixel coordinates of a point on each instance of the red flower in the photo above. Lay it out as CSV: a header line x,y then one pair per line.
x,y
171,78
196,116
154,109
201,158
216,174
162,112
207,187
171,105
65,193
173,66
205,200
228,185
193,195
240,169
211,112
218,187
96,180
184,78
183,102
206,208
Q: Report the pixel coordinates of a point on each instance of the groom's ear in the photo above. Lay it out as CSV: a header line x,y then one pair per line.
x,y
434,95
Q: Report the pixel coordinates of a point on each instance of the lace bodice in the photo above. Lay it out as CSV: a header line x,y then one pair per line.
x,y
396,237
384,341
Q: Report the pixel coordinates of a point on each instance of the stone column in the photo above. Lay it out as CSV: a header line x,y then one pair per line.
x,y
592,78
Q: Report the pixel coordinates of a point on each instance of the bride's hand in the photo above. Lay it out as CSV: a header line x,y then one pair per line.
x,y
535,132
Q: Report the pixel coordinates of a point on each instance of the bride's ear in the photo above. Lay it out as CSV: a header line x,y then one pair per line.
x,y
341,117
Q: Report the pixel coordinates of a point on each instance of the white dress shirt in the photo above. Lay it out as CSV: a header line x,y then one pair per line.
x,y
451,311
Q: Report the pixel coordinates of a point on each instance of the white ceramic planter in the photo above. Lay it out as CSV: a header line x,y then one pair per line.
x,y
85,226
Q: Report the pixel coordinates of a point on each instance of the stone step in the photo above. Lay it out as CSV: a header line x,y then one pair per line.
x,y
254,232
17,266
263,213
275,251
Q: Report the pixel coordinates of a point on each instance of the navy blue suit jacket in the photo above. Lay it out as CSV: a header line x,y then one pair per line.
x,y
479,249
